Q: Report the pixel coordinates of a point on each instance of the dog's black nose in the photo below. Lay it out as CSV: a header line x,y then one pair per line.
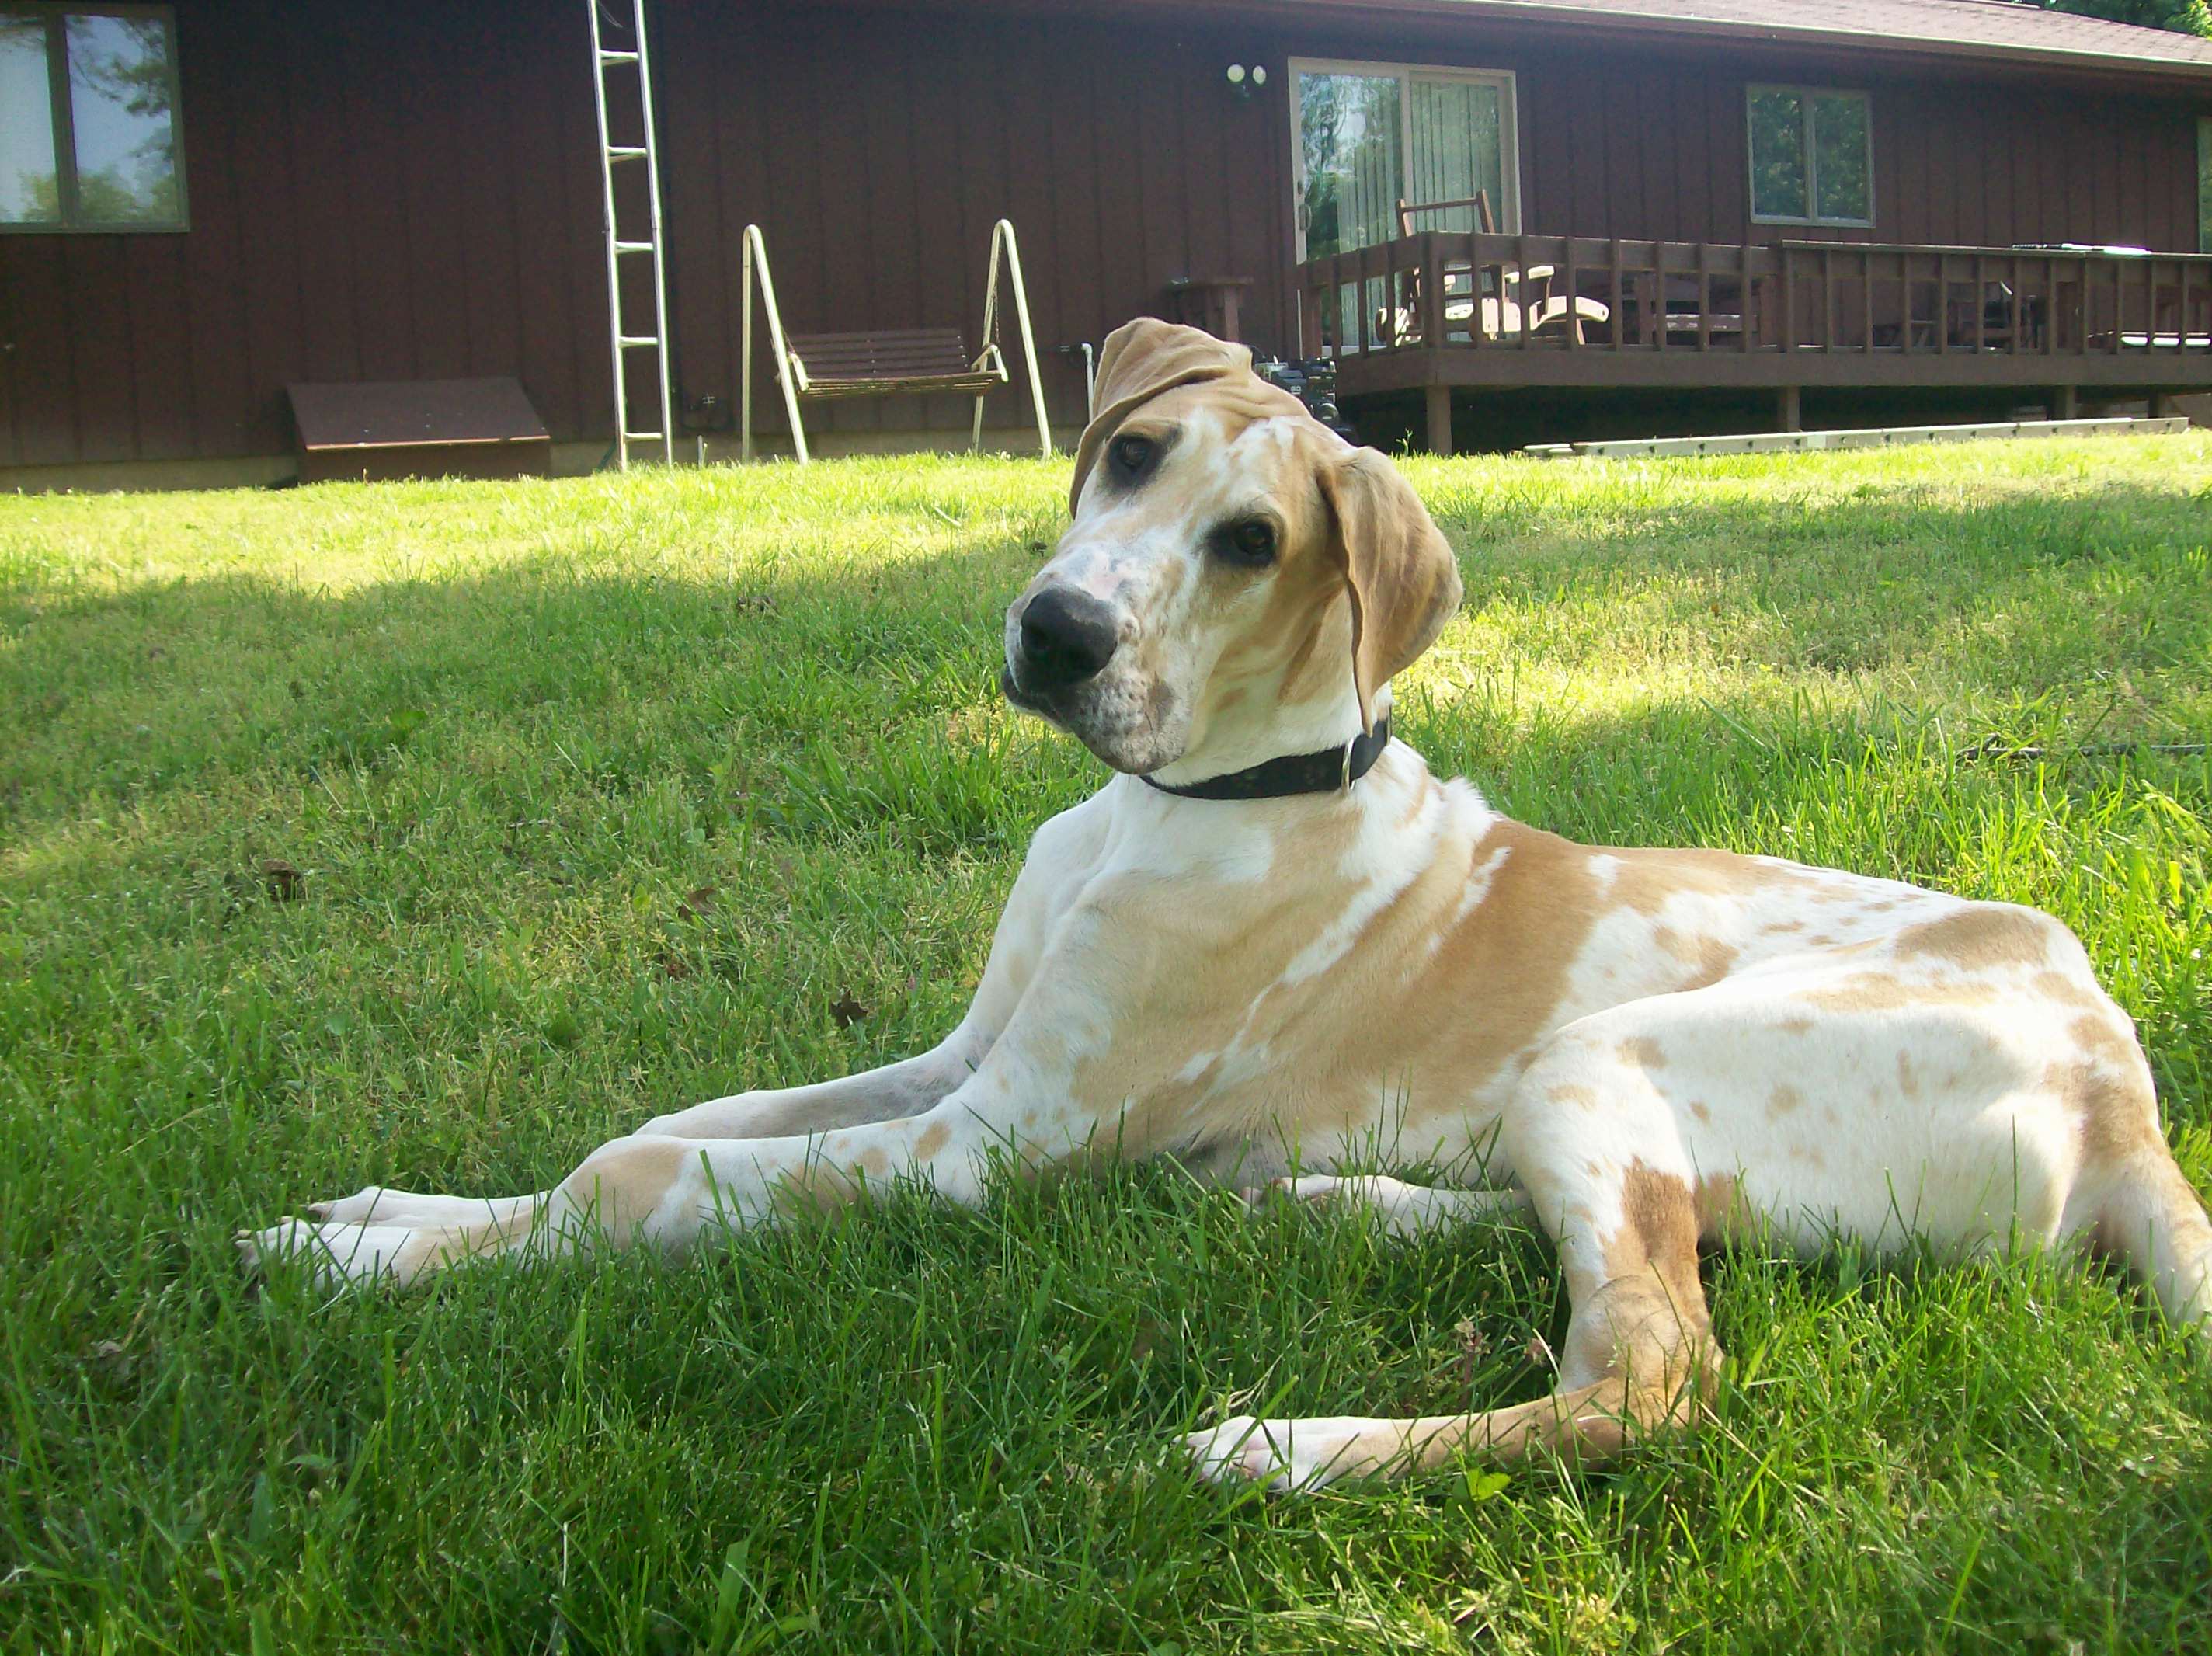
x,y
1067,638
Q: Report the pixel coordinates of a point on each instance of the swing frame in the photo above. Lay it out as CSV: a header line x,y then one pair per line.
x,y
886,363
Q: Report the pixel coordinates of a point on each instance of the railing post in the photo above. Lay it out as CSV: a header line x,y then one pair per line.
x,y
1704,297
1568,280
1787,257
1520,286
1433,292
1866,303
1746,291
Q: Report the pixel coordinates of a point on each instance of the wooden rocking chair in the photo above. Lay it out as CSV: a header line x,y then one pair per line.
x,y
820,367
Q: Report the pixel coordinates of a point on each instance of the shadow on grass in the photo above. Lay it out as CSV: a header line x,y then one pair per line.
x,y
624,680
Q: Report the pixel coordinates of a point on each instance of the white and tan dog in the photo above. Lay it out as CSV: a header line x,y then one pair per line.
x,y
1649,1046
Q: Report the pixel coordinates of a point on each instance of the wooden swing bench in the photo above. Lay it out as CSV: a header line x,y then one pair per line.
x,y
829,365
889,362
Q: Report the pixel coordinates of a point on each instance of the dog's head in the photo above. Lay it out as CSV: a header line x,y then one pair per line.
x,y
1236,576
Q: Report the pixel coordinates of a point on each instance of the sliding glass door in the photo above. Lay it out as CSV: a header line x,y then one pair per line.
x,y
1371,135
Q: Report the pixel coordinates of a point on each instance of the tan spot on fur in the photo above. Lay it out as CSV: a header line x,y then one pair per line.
x,y
1908,1080
1782,928
1570,1092
2068,991
1658,1233
1701,1110
934,1137
2115,1115
1714,959
1785,1100
1715,1199
1981,937
1642,1052
1821,941
874,1161
1795,1024
621,1184
1876,991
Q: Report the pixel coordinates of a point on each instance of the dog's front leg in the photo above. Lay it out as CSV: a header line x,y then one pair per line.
x,y
666,1190
891,1093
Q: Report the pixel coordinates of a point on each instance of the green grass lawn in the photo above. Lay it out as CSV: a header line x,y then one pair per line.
x,y
434,833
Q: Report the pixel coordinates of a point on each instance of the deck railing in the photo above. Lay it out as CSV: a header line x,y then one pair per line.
x,y
1536,293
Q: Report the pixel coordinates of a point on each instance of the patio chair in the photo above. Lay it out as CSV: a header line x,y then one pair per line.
x,y
1527,305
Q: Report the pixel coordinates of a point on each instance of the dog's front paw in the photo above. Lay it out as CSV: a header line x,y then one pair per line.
x,y
333,1255
1279,1454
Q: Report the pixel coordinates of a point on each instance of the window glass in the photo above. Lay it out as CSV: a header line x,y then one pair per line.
x,y
1457,149
1839,158
126,149
1349,133
2204,186
30,189
1779,188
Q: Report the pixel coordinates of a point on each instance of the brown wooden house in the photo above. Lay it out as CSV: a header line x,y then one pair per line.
x,y
1768,201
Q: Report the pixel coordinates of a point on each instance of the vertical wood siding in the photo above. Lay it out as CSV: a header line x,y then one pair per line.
x,y
398,191
408,190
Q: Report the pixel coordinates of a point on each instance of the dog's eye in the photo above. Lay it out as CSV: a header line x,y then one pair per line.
x,y
1251,542
1131,454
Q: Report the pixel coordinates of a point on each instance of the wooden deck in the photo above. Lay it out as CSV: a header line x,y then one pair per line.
x,y
1438,310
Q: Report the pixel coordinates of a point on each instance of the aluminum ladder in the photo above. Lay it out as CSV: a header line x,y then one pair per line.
x,y
611,156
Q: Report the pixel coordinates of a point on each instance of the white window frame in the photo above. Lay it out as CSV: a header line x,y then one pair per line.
x,y
1811,157
1509,128
60,97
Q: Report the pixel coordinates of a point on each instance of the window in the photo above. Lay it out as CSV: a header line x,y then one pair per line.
x,y
88,119
2204,186
1812,156
1368,134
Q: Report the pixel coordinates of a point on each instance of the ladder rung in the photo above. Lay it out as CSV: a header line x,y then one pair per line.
x,y
625,152
642,436
633,246
606,56
632,341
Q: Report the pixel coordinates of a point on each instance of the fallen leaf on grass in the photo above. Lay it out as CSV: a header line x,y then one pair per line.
x,y
699,904
847,1010
284,882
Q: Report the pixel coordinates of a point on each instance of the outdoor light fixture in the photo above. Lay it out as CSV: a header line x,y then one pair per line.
x,y
1241,79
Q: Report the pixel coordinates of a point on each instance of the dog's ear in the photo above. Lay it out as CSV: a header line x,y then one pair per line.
x,y
1142,359
1399,570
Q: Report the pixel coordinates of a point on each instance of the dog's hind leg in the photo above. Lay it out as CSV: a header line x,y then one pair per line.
x,y
1594,1145
1400,1209
1639,1355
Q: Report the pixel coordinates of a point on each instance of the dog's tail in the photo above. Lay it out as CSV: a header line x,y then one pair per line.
x,y
2151,1221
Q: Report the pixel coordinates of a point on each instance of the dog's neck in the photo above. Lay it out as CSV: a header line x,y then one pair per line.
x,y
1329,720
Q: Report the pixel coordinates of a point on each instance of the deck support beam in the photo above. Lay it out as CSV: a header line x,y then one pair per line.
x,y
2066,402
1439,412
1786,410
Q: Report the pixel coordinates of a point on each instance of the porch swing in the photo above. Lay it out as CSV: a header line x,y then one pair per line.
x,y
821,367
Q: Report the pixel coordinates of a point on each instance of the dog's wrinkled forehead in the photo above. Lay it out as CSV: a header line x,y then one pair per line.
x,y
1145,360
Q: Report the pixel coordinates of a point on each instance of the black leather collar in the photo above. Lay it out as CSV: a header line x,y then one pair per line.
x,y
1325,772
